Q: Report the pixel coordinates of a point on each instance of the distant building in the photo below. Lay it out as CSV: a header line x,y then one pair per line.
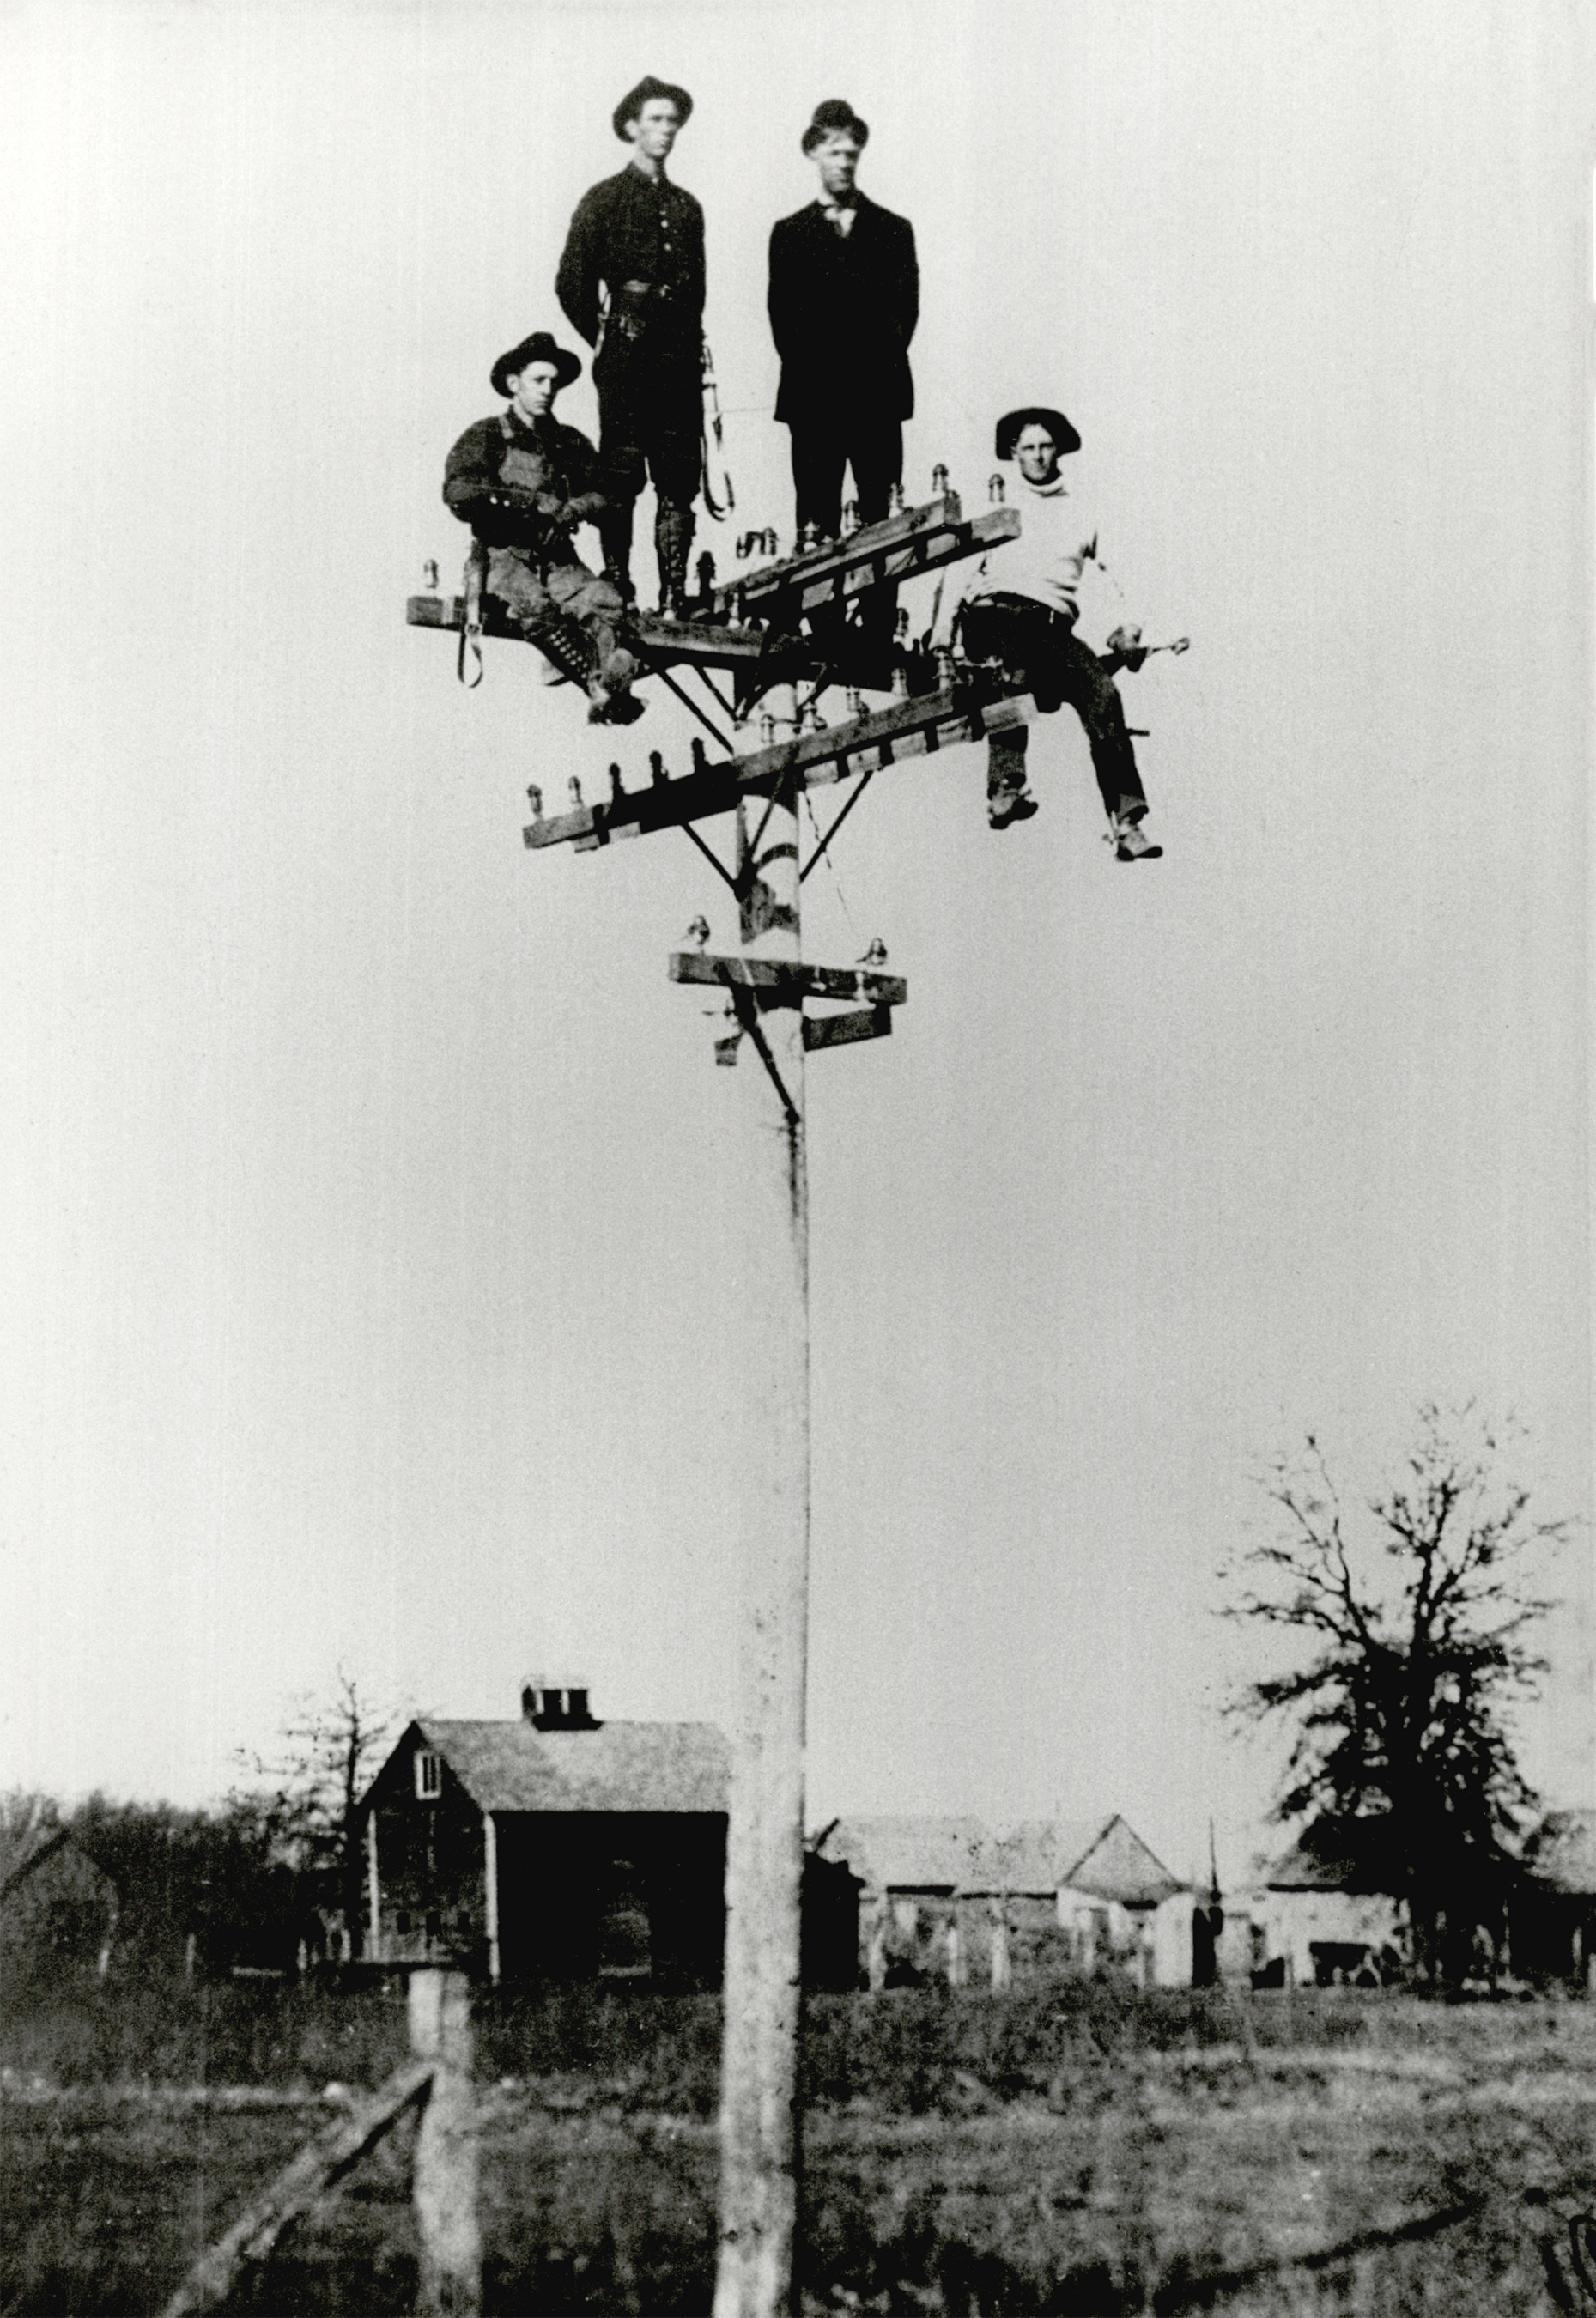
x,y
1553,1914
1326,1913
58,1907
954,1899
552,1846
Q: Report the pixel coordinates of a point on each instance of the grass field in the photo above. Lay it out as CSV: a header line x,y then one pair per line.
x,y
1088,2151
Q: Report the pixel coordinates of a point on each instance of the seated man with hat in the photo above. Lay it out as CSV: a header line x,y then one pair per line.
x,y
523,482
630,280
1020,605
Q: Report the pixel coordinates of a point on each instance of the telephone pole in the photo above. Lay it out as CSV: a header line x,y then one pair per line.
x,y
750,635
760,2118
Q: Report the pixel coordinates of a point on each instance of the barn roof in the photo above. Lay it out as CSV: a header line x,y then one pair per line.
x,y
1562,1851
1104,1857
1119,1865
620,1766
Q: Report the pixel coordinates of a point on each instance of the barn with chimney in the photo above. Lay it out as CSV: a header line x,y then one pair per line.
x,y
553,1846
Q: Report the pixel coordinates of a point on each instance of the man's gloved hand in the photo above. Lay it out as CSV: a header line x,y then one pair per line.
x,y
1125,645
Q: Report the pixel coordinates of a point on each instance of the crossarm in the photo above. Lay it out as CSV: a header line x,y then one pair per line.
x,y
908,728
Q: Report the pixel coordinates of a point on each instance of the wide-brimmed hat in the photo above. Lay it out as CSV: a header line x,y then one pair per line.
x,y
835,114
539,347
1013,424
646,91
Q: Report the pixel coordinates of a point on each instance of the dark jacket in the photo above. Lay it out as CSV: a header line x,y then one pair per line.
x,y
520,486
842,312
633,229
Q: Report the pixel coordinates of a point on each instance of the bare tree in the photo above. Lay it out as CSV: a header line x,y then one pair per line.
x,y
305,1796
1415,1609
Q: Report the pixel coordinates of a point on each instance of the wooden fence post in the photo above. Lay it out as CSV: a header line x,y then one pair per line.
x,y
446,2164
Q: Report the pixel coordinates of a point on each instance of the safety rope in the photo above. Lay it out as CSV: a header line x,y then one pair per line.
x,y
471,622
712,446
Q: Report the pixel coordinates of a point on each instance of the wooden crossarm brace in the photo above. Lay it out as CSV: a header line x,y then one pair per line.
x,y
908,728
788,984
771,580
846,1029
449,612
758,984
716,644
880,555
705,643
940,519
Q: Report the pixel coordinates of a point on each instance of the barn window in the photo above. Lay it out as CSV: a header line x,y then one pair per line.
x,y
429,1774
401,1922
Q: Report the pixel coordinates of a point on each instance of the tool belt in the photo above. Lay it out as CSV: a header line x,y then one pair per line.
x,y
1018,634
1010,606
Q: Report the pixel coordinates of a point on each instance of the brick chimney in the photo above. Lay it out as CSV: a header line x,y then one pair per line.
x,y
556,1706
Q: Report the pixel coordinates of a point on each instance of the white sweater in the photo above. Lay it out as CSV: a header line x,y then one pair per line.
x,y
1057,539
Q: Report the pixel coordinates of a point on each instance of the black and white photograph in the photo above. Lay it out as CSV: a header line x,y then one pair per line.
x,y
652,1665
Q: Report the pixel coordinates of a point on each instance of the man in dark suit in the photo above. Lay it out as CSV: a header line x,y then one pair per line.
x,y
630,280
844,300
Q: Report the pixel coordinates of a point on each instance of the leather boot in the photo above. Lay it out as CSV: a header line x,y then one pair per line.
x,y
564,646
673,540
615,535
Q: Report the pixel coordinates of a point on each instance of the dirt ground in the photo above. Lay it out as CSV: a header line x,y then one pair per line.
x,y
1385,2156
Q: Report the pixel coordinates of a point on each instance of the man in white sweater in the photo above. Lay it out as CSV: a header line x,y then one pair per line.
x,y
1020,605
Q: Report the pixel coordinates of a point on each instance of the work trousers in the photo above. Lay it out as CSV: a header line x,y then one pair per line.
x,y
1040,650
553,599
631,449
665,456
822,451
824,448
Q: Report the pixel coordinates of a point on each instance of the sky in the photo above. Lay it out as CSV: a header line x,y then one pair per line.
x,y
370,1294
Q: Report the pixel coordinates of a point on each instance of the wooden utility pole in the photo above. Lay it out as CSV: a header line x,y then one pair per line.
x,y
753,638
759,2117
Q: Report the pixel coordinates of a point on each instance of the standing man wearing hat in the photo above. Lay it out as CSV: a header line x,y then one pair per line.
x,y
844,300
1019,604
632,281
522,482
